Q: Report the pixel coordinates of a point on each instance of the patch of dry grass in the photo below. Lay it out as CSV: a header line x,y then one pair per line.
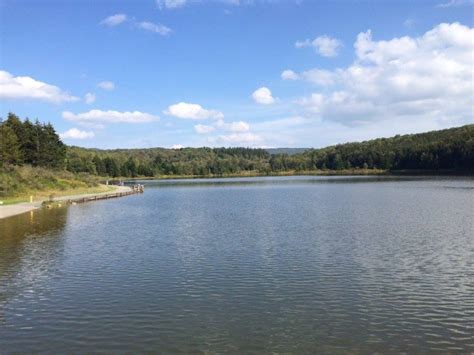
x,y
18,183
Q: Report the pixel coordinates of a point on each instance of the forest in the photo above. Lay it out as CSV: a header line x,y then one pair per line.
x,y
23,142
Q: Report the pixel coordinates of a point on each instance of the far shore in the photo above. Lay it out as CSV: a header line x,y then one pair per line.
x,y
344,172
16,206
23,207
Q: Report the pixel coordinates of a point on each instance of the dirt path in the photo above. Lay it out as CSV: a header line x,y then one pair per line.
x,y
19,208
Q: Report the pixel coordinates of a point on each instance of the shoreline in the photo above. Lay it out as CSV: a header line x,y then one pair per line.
x,y
7,211
24,207
351,172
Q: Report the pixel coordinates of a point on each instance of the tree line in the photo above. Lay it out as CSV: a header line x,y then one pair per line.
x,y
449,149
33,143
37,144
161,161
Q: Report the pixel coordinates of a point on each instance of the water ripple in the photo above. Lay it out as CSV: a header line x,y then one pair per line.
x,y
272,265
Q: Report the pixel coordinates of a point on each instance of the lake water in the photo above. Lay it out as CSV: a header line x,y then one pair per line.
x,y
254,265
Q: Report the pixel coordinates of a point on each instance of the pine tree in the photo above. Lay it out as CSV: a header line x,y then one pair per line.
x,y
9,146
52,150
14,123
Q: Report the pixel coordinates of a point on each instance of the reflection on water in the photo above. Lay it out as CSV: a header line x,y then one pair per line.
x,y
293,264
275,181
272,181
29,246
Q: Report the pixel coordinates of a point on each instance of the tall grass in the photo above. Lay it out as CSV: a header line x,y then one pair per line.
x,y
21,180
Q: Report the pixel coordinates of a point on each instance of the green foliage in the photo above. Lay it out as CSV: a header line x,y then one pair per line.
x,y
38,145
18,180
27,143
450,149
160,161
9,146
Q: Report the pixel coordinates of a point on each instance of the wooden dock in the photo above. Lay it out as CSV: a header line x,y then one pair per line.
x,y
134,189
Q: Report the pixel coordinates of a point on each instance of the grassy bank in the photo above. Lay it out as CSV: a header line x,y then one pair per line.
x,y
18,183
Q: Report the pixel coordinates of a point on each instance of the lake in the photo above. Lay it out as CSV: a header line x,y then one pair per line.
x,y
254,265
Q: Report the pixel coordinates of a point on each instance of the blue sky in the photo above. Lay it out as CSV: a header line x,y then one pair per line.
x,y
255,73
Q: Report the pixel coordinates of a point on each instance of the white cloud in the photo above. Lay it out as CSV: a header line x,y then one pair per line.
x,y
289,75
204,129
263,96
160,29
170,4
99,116
75,133
25,87
192,111
89,98
324,45
238,126
455,3
155,28
319,76
427,78
177,146
106,85
114,20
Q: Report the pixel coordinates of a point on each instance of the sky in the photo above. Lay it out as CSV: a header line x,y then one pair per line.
x,y
251,73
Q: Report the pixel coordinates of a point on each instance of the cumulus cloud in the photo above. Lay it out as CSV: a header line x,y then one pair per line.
x,y
192,111
89,98
324,45
114,20
429,77
25,87
238,126
170,4
289,75
106,85
204,129
263,96
99,116
154,27
177,146
75,133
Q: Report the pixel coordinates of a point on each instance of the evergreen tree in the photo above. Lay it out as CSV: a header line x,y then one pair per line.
x,y
14,122
9,146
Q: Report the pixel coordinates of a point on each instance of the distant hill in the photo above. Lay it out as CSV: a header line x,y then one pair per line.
x,y
448,149
289,151
37,144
